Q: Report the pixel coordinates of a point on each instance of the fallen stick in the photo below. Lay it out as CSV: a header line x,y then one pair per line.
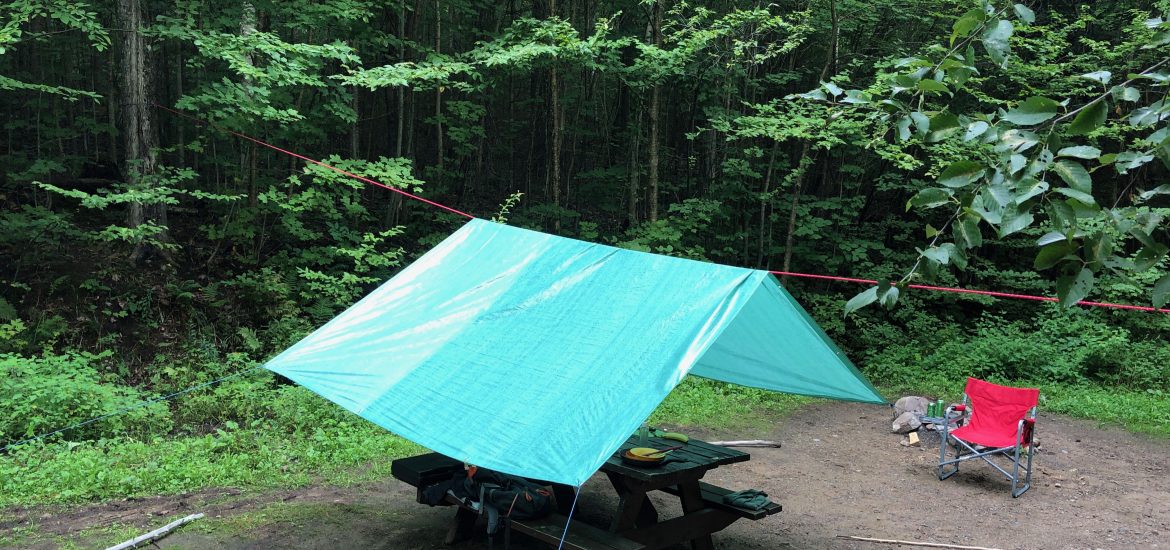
x,y
747,443
913,543
157,533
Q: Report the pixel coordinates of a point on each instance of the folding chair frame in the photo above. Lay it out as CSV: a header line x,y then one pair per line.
x,y
965,451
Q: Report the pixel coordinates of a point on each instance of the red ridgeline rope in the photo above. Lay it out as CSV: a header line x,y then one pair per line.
x,y
785,273
317,162
979,292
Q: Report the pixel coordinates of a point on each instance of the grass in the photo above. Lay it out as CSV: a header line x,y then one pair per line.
x,y
330,447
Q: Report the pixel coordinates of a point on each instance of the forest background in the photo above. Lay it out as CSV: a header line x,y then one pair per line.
x,y
989,145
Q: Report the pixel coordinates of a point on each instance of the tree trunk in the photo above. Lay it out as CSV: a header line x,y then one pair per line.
x,y
798,182
439,93
635,141
652,177
401,89
765,200
139,133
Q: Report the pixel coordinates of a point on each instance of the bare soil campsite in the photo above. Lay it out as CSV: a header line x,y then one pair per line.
x,y
840,472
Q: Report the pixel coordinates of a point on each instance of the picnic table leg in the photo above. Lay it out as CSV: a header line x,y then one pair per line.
x,y
692,501
564,495
634,507
462,526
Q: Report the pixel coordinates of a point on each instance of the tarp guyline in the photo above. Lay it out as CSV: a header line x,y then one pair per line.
x,y
539,355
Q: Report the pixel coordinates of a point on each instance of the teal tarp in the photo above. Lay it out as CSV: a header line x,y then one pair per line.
x,y
539,355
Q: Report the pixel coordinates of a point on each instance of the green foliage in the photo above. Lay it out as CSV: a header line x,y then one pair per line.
x,y
702,402
42,394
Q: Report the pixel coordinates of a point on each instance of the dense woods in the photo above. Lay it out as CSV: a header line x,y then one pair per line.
x,y
147,247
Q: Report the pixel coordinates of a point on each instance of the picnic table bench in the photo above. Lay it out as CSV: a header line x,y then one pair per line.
x,y
636,524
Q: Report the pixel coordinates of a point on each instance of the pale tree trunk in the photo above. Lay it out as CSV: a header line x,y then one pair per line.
x,y
652,177
401,89
249,154
140,137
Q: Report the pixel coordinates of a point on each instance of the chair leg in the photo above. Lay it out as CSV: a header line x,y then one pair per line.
x,y
1027,474
942,457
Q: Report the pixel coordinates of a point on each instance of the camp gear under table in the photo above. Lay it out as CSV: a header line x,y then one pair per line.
x,y
704,511
636,523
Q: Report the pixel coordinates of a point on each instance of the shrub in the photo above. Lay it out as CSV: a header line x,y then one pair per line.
x,y
42,394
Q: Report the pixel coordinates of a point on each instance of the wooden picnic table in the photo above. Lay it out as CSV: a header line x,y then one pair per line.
x,y
704,511
636,524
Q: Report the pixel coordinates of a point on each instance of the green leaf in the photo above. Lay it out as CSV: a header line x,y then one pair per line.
x,y
1162,291
1028,188
1125,93
1080,152
1149,256
1017,163
1062,215
943,126
1089,119
1014,220
1099,76
961,174
904,128
1018,140
995,41
1031,111
1129,160
928,85
1163,189
940,255
930,198
1025,13
1074,175
921,122
1076,195
967,23
866,297
890,297
1074,288
1053,254
975,129
966,231
1160,39
1098,248
1051,237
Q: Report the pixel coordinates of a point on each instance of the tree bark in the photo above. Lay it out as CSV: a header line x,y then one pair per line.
x,y
652,177
555,169
401,89
439,92
140,137
632,186
790,239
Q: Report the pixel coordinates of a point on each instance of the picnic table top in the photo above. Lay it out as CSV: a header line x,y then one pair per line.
x,y
694,455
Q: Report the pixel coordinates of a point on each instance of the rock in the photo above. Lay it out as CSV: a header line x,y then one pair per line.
x,y
912,404
913,436
906,423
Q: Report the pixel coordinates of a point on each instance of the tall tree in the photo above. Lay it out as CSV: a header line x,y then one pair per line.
x,y
140,137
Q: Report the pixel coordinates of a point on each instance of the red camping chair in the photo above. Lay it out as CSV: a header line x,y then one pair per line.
x,y
1001,423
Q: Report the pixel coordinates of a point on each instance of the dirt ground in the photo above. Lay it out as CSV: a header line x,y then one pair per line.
x,y
839,473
